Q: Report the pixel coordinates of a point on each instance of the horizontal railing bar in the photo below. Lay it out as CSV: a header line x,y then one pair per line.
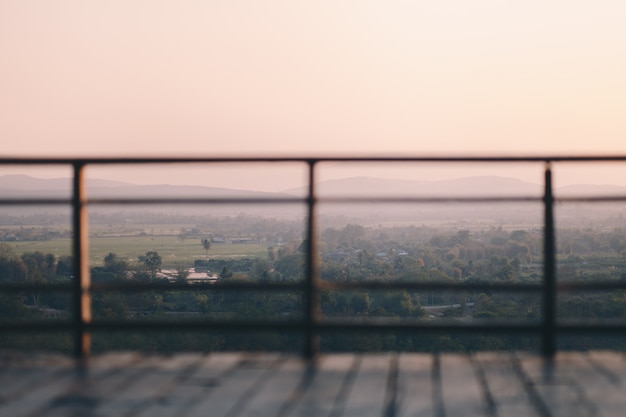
x,y
357,159
187,201
500,328
263,325
606,199
253,200
358,199
399,200
590,286
328,326
392,286
35,202
295,200
303,200
18,287
151,201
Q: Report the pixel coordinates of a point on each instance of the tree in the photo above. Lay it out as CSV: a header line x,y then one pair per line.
x,y
65,266
39,268
115,265
153,262
206,244
12,268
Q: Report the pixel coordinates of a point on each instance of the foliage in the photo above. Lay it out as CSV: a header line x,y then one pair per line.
x,y
152,260
349,254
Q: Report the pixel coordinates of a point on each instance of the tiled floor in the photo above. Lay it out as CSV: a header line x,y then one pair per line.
x,y
246,384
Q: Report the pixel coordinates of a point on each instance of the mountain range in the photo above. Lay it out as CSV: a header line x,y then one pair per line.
x,y
24,185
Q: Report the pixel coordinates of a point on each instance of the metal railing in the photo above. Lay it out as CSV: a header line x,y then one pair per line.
x,y
311,325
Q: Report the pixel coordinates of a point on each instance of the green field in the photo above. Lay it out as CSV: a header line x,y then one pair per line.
x,y
174,251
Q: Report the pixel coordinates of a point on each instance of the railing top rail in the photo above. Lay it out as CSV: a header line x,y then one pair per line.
x,y
226,159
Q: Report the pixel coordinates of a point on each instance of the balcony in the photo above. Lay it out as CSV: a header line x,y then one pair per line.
x,y
316,381
265,384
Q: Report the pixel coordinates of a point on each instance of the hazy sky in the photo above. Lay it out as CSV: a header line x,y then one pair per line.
x,y
197,77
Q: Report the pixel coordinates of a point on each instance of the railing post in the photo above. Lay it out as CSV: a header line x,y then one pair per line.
x,y
311,296
548,343
82,279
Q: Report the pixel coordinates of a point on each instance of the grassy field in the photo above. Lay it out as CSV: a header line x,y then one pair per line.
x,y
173,251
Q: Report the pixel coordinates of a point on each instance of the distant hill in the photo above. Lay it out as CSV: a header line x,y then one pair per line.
x,y
24,185
21,185
25,182
469,186
367,186
484,186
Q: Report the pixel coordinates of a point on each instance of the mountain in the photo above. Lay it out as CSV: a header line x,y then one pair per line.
x,y
25,182
487,186
477,186
24,185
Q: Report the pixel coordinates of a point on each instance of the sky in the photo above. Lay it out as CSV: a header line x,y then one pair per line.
x,y
312,78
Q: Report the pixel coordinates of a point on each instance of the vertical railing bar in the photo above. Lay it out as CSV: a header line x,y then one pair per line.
x,y
548,343
82,279
311,296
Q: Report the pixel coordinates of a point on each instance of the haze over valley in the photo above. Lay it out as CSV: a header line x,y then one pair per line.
x,y
373,213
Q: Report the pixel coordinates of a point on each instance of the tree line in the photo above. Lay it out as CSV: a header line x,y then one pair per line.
x,y
352,253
